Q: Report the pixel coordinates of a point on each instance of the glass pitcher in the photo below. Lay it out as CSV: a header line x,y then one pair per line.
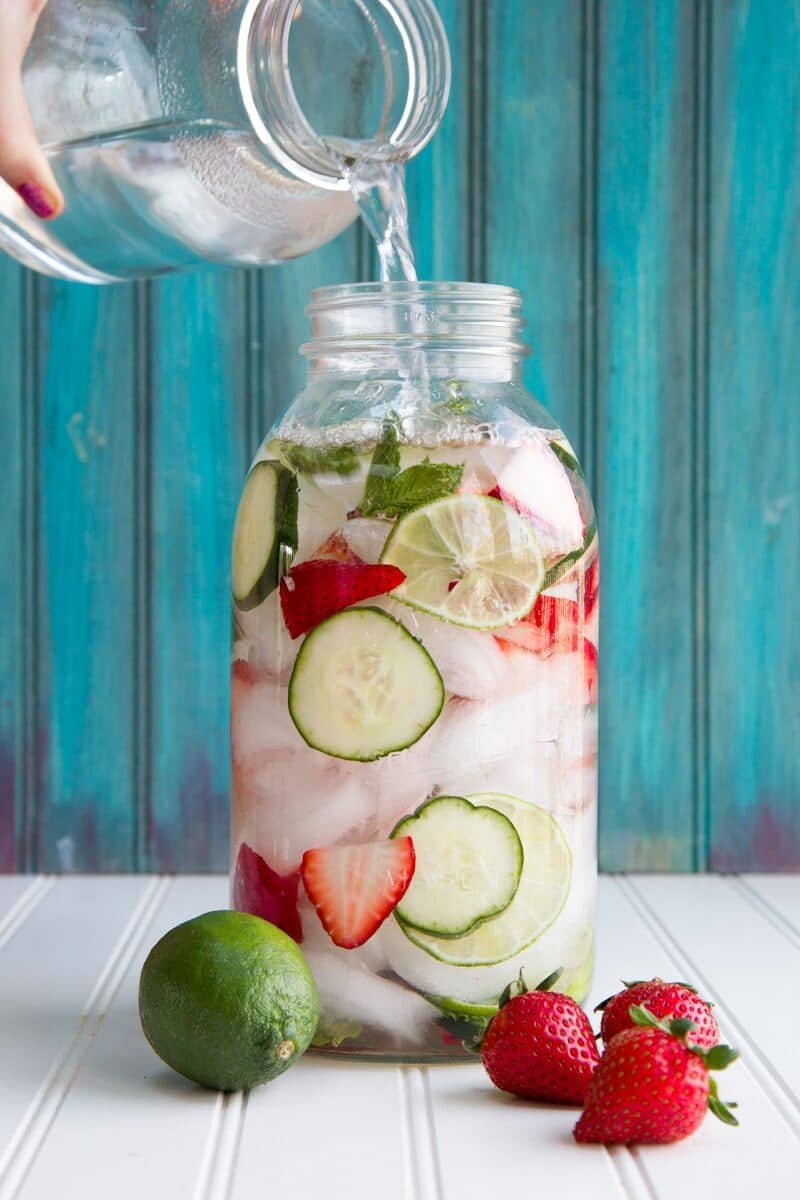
x,y
414,685
184,131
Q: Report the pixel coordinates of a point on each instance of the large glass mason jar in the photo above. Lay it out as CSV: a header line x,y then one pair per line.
x,y
414,691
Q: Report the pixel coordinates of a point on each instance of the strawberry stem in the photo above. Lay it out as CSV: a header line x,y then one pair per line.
x,y
716,1059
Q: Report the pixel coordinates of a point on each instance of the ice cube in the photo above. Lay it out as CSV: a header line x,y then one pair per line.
x,y
350,991
471,663
260,719
535,481
366,537
320,513
371,956
268,646
287,803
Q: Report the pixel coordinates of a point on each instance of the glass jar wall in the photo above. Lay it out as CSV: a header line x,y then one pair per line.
x,y
414,687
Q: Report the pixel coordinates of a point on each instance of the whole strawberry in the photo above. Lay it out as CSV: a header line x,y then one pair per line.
x,y
652,1084
662,999
540,1045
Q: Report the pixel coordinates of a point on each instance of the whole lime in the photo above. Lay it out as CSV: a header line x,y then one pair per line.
x,y
227,1000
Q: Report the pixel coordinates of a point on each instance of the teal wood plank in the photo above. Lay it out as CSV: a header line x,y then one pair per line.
x,y
281,325
439,179
532,211
12,568
644,337
85,595
199,378
754,426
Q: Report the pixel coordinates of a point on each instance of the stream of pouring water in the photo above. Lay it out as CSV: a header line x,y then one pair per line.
x,y
379,189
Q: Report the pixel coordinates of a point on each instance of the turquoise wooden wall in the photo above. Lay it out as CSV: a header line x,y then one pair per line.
x,y
634,167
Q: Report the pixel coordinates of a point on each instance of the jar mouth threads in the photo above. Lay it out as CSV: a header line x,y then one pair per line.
x,y
429,317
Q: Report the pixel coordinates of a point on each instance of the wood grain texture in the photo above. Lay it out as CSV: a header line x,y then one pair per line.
x,y
199,379
532,191
83,612
633,167
754,443
440,194
644,338
82,1086
12,483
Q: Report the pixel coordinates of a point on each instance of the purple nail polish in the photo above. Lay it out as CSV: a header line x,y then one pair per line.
x,y
37,200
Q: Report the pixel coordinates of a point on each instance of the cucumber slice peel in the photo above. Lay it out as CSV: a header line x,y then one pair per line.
x,y
363,687
541,895
469,861
265,533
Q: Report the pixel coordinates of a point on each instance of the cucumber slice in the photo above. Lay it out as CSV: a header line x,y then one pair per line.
x,y
542,892
363,687
265,534
469,861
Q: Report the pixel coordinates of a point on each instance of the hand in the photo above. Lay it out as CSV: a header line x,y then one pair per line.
x,y
22,161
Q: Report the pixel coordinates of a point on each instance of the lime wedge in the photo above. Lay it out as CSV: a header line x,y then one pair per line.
x,y
471,560
542,891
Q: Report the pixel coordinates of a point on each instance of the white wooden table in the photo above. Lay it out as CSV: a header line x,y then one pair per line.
x,y
87,1110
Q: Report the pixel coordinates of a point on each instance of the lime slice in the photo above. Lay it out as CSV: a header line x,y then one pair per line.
x,y
542,891
471,560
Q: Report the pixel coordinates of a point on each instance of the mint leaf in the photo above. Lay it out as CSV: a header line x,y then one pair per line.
x,y
332,1031
390,492
383,469
313,460
418,485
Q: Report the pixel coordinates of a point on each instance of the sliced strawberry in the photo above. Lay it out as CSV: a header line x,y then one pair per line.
x,y
590,666
259,890
336,548
242,672
552,623
355,888
591,586
317,589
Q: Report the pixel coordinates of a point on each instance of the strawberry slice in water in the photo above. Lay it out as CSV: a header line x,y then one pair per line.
x,y
592,586
355,888
317,589
259,890
336,548
552,624
590,670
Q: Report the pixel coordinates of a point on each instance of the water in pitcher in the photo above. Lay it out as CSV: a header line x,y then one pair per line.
x,y
197,132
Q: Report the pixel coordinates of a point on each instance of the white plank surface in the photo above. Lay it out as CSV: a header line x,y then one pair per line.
x,y
87,1110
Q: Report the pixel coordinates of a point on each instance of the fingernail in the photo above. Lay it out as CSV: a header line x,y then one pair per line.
x,y
37,200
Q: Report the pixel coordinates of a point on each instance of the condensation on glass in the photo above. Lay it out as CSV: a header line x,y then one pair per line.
x,y
189,131
414,684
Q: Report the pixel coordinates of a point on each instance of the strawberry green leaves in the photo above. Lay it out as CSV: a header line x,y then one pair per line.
x,y
716,1059
390,492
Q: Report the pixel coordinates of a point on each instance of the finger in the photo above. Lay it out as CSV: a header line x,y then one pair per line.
x,y
22,162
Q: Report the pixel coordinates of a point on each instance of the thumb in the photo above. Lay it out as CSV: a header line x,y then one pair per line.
x,y
23,164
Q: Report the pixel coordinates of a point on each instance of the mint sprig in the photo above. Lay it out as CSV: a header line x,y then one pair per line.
x,y
314,460
332,1031
390,492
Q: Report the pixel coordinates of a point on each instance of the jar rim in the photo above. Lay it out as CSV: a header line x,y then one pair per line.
x,y
405,291
369,325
